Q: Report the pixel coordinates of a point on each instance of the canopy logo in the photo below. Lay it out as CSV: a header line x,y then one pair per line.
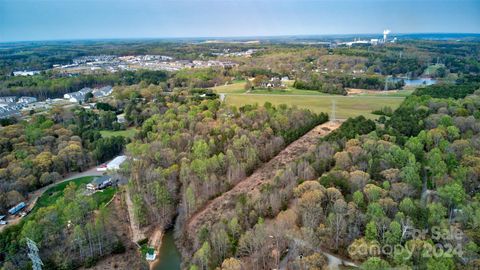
x,y
427,243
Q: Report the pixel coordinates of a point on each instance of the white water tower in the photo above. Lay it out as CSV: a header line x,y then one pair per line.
x,y
385,35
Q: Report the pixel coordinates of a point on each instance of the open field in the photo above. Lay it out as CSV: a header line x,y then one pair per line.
x,y
346,106
129,133
361,103
238,88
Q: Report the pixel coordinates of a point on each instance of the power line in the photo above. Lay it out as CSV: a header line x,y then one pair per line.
x,y
334,105
33,255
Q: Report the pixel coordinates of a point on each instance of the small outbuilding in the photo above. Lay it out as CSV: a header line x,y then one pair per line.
x,y
17,208
150,255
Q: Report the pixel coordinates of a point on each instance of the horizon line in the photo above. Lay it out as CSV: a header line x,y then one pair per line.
x,y
243,37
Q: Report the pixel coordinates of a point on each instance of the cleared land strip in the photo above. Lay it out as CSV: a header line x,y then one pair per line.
x,y
214,209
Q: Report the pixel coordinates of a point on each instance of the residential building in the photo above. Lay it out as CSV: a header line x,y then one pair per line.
x,y
26,73
102,92
78,96
100,182
27,100
8,99
121,118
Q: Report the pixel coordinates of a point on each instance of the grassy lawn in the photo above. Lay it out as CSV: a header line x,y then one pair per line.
x,y
287,91
51,195
346,106
129,133
236,87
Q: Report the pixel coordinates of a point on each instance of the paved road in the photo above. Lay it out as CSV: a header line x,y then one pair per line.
x,y
334,262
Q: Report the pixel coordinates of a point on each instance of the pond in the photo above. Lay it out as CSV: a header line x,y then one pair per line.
x,y
415,82
169,256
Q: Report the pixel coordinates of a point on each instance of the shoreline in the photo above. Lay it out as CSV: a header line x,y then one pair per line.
x,y
156,243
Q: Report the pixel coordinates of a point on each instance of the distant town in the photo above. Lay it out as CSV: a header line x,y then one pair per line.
x,y
112,63
18,106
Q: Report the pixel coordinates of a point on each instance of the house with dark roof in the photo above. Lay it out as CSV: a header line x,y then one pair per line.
x,y
100,182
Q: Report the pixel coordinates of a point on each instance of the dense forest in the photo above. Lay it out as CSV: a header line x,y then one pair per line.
x,y
39,152
203,148
368,188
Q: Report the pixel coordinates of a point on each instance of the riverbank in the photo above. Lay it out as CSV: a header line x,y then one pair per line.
x,y
155,241
169,257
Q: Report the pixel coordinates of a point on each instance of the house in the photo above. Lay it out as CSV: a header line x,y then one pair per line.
x,y
102,92
10,109
26,73
121,118
17,208
112,165
8,99
272,83
27,100
150,255
100,183
78,96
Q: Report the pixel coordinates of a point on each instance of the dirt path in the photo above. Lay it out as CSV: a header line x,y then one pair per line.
x,y
213,209
137,233
119,224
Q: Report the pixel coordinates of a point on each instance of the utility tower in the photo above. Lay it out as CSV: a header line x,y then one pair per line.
x,y
33,255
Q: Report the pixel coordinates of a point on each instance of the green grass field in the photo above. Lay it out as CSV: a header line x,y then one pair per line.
x,y
236,87
51,195
346,106
129,133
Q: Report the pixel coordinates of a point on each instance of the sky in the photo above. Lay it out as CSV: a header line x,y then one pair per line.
x,y
25,20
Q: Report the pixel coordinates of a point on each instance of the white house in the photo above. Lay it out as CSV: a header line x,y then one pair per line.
x,y
8,99
78,96
102,92
26,73
27,100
